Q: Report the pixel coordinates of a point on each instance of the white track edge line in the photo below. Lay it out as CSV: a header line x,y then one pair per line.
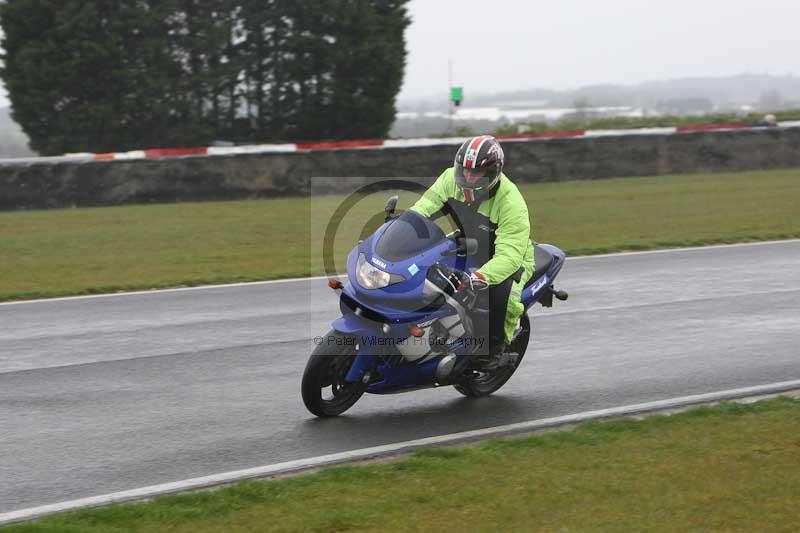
x,y
685,249
318,278
391,449
164,291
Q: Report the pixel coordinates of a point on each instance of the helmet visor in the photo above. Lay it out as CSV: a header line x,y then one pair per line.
x,y
475,178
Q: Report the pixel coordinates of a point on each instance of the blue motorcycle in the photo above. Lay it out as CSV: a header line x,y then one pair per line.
x,y
406,320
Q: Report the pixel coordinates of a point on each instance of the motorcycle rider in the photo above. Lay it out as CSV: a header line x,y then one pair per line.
x,y
488,207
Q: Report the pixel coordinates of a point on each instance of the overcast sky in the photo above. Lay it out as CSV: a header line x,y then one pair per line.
x,y
502,45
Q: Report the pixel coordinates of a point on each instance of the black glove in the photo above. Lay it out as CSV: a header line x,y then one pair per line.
x,y
453,280
475,282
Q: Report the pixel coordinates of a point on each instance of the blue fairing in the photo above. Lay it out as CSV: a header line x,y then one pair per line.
x,y
395,300
352,324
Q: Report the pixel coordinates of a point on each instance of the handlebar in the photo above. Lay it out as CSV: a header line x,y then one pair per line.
x,y
462,285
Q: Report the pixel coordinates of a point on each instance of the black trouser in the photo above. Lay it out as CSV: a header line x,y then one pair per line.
x,y
495,299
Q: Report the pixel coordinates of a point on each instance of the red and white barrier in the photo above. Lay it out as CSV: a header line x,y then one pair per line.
x,y
404,143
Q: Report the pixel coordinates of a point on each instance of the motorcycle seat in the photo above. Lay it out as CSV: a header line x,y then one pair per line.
x,y
542,262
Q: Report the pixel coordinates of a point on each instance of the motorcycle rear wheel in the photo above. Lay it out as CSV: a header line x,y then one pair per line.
x,y
325,392
489,382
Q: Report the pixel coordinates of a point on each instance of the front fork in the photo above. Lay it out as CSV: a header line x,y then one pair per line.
x,y
366,355
363,366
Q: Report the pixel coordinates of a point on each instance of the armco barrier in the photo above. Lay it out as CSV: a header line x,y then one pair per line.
x,y
217,173
407,143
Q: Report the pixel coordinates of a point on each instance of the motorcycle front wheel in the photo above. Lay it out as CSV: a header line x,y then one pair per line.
x,y
488,382
324,389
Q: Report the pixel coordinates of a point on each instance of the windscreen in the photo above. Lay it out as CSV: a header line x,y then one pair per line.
x,y
407,236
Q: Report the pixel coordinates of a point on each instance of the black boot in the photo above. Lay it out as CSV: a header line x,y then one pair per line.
x,y
498,357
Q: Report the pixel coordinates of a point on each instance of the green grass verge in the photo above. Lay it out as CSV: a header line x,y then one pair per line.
x,y
731,467
87,251
587,121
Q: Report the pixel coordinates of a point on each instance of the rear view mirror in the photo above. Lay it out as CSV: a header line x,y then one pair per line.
x,y
470,246
391,205
465,246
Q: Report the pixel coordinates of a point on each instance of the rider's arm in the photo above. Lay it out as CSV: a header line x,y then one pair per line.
x,y
512,239
435,197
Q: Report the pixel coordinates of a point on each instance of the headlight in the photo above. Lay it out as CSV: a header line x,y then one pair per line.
x,y
371,277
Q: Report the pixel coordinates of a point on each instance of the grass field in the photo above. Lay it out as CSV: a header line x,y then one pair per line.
x,y
612,123
731,467
85,251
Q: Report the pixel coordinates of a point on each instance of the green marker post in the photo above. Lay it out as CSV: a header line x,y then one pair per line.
x,y
457,95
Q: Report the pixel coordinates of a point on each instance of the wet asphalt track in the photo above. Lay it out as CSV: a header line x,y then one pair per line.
x,y
104,394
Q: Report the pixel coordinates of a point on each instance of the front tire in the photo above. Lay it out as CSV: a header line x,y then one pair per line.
x,y
325,392
488,382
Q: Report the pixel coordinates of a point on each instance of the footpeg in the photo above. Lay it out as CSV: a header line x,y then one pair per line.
x,y
561,295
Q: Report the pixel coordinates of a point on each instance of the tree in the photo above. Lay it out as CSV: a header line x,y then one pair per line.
x,y
325,69
102,75
89,75
371,59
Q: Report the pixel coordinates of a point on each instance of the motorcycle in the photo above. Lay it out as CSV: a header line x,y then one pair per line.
x,y
408,319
